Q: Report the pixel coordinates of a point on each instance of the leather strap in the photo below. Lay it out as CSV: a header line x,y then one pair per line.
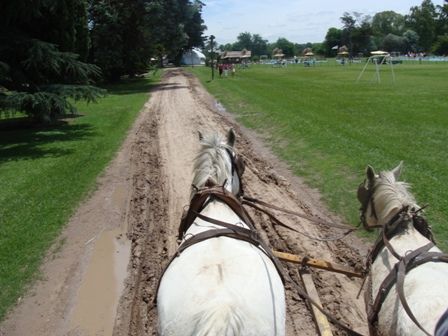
x,y
397,276
401,273
200,198
251,201
280,223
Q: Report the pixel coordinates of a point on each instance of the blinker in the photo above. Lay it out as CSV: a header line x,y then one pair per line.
x,y
363,194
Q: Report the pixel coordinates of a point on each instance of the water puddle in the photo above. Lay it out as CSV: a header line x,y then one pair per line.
x,y
102,284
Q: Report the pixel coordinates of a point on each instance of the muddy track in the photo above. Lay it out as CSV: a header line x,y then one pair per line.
x,y
161,167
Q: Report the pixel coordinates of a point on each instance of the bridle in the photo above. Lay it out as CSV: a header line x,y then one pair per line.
x,y
405,263
238,167
365,197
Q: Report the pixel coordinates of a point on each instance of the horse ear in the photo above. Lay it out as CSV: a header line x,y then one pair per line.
x,y
370,172
201,136
397,170
231,137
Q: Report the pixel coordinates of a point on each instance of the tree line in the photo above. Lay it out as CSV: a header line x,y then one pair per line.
x,y
53,53
424,29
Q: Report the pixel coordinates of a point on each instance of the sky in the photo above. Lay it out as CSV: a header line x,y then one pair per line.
x,y
299,21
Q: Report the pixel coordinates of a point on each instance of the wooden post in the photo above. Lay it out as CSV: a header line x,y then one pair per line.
x,y
323,326
212,40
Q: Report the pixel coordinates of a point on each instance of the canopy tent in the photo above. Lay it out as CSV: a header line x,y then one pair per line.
x,y
379,53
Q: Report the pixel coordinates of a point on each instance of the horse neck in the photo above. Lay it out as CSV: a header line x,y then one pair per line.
x,y
389,203
389,200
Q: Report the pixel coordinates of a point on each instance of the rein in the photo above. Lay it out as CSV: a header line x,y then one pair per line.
x,y
254,202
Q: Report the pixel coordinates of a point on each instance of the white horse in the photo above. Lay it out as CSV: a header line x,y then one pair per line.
x,y
221,285
387,203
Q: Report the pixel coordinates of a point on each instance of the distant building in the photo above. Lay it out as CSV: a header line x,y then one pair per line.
x,y
193,57
236,56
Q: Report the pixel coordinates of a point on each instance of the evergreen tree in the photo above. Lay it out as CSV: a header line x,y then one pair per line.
x,y
40,74
107,39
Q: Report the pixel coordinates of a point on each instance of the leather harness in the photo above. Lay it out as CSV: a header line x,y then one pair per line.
x,y
198,203
405,263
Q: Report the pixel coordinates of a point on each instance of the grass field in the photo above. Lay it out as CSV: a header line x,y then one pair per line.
x,y
46,172
328,127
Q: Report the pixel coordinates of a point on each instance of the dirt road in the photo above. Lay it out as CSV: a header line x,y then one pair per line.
x,y
88,287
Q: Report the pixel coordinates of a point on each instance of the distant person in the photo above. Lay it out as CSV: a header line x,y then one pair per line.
x,y
226,70
220,65
233,69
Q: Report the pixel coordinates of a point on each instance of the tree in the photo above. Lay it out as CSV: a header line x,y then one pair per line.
x,y
332,39
195,27
286,46
357,32
40,73
388,22
441,45
361,36
244,40
442,19
411,39
127,33
259,45
107,39
394,43
348,22
422,20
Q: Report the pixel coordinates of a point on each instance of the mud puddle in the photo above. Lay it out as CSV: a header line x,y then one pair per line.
x,y
102,284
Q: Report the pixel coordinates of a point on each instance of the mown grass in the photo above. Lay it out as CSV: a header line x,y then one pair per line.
x,y
328,127
46,172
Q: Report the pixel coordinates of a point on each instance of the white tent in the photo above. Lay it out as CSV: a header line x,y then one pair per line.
x,y
193,57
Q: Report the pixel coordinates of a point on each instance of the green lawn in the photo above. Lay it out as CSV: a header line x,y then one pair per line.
x,y
328,127
46,172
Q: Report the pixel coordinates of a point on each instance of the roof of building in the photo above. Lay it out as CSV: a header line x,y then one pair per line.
x,y
236,54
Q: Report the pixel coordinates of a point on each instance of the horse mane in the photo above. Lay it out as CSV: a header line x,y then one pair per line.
x,y
391,194
211,163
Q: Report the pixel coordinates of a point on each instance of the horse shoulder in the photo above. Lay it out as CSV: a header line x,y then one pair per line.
x,y
426,292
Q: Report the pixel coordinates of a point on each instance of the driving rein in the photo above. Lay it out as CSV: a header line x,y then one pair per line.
x,y
405,263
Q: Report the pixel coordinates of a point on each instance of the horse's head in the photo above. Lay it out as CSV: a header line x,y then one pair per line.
x,y
218,164
382,196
